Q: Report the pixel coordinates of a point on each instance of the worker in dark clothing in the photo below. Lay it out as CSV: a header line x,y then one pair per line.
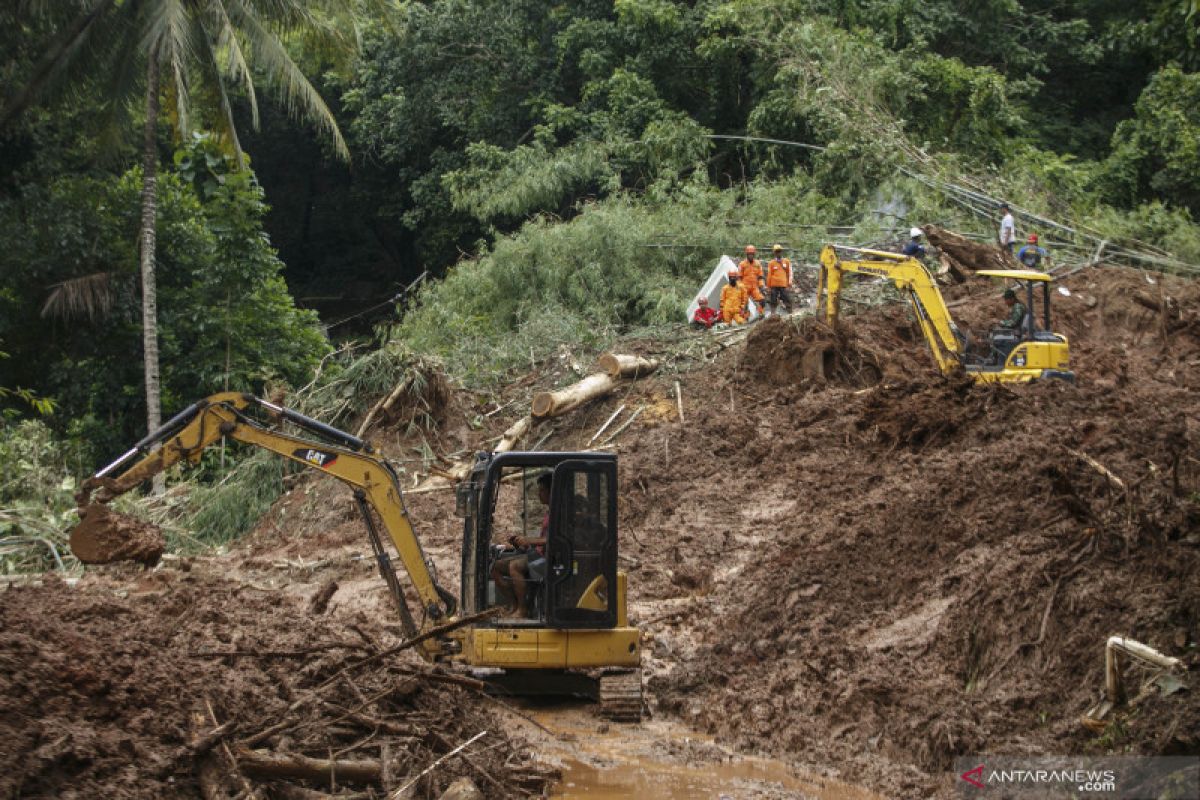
x,y
914,247
1016,310
1032,255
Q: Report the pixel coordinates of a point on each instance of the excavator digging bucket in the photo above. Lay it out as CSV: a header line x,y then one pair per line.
x,y
105,536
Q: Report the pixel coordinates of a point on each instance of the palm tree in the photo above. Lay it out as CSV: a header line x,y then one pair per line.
x,y
125,47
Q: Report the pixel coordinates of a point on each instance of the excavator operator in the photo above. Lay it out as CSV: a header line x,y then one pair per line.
x,y
526,560
1016,310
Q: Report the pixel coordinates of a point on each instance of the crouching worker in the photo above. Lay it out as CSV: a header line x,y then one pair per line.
x,y
526,561
733,301
705,317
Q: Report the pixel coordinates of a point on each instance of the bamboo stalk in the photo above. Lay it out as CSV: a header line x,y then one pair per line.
x,y
624,425
607,422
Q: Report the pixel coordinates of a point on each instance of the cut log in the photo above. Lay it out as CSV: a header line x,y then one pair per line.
x,y
269,766
624,366
553,404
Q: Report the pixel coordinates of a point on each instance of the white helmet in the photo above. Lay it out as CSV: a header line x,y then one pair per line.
x,y
915,232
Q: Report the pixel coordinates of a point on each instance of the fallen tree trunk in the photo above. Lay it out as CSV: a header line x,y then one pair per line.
x,y
964,257
553,404
624,366
269,766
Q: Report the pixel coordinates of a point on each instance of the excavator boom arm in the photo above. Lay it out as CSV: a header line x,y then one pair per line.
x,y
347,458
911,278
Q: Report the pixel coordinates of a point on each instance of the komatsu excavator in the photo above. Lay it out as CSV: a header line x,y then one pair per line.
x,y
575,639
1028,352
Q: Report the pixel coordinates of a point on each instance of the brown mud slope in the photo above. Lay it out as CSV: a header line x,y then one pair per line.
x,y
886,578
106,689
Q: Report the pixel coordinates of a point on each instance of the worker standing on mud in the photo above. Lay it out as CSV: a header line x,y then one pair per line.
x,y
1008,229
752,280
779,281
733,301
513,570
1032,255
1016,310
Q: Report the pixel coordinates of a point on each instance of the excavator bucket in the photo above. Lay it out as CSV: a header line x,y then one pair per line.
x,y
105,536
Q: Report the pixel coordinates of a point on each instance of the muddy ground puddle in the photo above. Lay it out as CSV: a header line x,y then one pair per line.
x,y
661,759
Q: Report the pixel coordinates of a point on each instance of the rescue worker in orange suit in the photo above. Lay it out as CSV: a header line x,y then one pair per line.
x,y
779,280
733,301
705,317
751,272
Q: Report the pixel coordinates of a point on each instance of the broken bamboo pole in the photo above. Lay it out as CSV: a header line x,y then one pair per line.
x,y
607,422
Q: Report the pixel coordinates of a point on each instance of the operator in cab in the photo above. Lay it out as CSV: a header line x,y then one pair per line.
x,y
526,561
1016,311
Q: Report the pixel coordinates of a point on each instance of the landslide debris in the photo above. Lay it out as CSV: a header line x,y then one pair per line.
x,y
110,688
898,574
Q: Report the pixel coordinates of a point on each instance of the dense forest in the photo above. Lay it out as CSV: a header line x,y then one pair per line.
x,y
480,181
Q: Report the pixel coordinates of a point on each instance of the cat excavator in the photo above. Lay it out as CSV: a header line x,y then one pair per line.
x,y
575,637
1014,355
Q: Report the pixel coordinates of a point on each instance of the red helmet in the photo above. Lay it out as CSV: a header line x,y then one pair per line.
x,y
1033,238
750,250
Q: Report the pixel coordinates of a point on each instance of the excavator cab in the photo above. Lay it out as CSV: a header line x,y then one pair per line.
x,y
1032,347
575,586
575,637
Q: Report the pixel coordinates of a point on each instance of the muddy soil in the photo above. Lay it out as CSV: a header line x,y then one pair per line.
x,y
104,536
106,686
841,560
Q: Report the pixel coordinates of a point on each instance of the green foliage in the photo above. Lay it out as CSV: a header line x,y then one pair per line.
x,y
1157,152
36,494
218,513
583,282
226,319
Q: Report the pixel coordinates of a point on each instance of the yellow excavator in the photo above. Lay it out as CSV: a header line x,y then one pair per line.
x,y
1014,355
575,637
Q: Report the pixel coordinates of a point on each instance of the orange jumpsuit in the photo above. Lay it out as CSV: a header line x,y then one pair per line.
x,y
751,272
779,273
733,305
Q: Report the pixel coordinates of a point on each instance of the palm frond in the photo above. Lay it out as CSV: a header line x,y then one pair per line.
x,y
89,296
213,67
298,95
237,68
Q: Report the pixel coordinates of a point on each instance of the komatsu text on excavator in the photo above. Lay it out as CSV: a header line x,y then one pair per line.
x,y
1028,352
575,636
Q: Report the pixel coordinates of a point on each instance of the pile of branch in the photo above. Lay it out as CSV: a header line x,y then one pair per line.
x,y
962,257
357,726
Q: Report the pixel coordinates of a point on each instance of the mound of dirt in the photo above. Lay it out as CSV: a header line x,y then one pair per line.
x,y
103,536
783,352
110,692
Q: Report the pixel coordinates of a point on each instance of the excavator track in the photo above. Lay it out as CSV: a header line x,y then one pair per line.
x,y
621,696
